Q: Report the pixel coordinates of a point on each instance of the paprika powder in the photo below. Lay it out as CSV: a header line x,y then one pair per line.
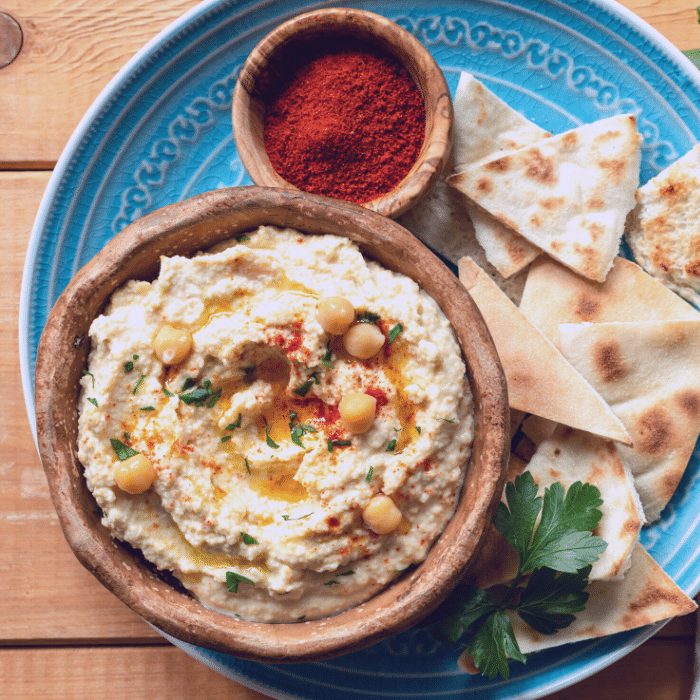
x,y
347,122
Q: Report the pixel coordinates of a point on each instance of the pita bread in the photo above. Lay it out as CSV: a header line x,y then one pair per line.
x,y
569,194
644,596
649,373
538,429
663,230
484,125
628,294
573,455
539,379
441,221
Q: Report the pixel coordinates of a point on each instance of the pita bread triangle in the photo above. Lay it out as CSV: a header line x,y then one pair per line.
x,y
628,294
568,195
484,125
539,379
644,596
649,374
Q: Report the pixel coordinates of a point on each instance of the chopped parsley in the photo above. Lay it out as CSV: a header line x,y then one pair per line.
x,y
233,579
332,582
123,451
233,426
128,366
300,517
394,332
138,384
201,395
247,466
248,539
169,394
346,573
147,408
367,317
298,430
93,402
391,446
370,472
270,442
326,359
418,429
447,420
91,375
225,438
338,443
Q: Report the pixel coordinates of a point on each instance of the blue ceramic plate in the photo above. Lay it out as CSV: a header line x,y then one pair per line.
x,y
161,132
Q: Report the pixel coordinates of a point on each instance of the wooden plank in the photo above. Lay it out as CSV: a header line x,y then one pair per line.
x,y
72,48
655,671
113,673
71,51
47,595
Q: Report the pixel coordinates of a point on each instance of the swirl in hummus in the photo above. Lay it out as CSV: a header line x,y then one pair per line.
x,y
260,497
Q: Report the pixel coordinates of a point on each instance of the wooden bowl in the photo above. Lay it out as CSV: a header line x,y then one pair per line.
x,y
261,71
196,224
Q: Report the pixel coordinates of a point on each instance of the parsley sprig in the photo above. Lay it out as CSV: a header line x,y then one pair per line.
x,y
557,553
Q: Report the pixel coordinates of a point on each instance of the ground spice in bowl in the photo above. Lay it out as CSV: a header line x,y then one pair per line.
x,y
348,120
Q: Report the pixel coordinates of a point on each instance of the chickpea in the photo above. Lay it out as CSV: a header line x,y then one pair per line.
x,y
172,345
381,515
135,474
357,411
335,314
363,340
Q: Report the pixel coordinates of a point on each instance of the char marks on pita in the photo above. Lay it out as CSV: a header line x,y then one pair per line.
x,y
663,229
539,379
485,126
644,596
568,195
649,374
628,294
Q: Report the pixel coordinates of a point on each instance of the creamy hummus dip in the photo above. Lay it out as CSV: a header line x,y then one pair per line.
x,y
259,495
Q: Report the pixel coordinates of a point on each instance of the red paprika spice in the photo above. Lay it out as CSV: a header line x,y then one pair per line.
x,y
348,121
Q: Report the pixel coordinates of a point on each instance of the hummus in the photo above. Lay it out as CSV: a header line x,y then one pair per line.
x,y
259,491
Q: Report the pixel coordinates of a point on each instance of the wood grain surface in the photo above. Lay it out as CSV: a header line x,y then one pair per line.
x,y
62,635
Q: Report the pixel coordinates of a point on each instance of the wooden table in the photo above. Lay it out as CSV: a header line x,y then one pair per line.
x,y
62,634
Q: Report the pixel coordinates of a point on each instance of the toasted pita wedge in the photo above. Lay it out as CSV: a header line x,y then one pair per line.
x,y
645,595
484,125
569,195
662,229
649,373
538,429
628,294
539,379
441,220
574,455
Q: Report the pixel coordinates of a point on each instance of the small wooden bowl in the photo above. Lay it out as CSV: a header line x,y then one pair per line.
x,y
197,224
261,71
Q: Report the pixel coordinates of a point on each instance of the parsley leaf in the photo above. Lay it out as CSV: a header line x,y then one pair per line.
x,y
123,451
233,579
248,539
237,424
557,552
93,402
394,332
298,430
91,375
270,442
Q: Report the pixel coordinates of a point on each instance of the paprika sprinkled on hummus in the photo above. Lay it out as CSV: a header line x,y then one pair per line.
x,y
243,477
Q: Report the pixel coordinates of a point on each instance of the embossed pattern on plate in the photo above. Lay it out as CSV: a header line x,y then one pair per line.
x,y
161,132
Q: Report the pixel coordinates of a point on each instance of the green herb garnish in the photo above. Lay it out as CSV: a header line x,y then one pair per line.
x,y
370,472
225,438
248,539
201,395
557,553
233,579
447,420
303,389
298,430
169,394
147,408
418,429
346,573
93,402
188,384
123,451
247,466
138,384
391,446
128,366
332,582
233,426
367,317
337,443
394,332
268,439
301,517
91,375
326,359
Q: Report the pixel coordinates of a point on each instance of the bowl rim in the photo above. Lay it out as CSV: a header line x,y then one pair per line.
x,y
247,106
196,224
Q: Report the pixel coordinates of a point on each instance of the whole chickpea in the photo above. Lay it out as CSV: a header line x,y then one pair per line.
x,y
335,314
135,474
172,345
357,411
381,514
363,340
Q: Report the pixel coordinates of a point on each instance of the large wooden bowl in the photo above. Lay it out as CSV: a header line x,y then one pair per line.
x,y
260,72
197,224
